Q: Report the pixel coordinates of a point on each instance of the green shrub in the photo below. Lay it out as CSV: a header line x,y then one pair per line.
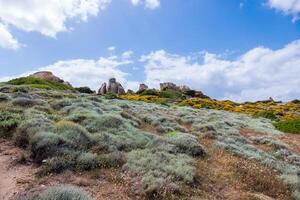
x,y
46,145
87,161
61,103
160,170
266,114
170,94
79,136
4,97
9,121
85,90
104,122
39,83
152,92
289,126
111,160
34,121
110,95
57,165
26,102
61,193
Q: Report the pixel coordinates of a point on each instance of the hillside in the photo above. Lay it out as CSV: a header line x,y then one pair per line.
x,y
59,143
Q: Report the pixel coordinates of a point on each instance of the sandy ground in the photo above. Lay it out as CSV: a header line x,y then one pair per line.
x,y
13,177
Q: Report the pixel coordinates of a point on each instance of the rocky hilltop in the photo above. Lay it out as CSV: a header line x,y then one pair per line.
x,y
46,75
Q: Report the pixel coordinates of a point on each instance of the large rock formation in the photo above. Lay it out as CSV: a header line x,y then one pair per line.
x,y
113,87
143,87
46,75
168,86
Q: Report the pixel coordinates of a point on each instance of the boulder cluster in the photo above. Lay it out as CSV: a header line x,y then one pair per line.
x,y
115,87
112,87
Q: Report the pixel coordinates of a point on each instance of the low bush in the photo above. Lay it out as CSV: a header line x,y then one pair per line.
x,y
46,145
61,103
4,97
75,133
57,165
34,121
87,161
110,95
170,94
61,193
289,126
187,144
104,122
160,170
85,90
39,83
148,92
9,121
112,160
266,114
25,102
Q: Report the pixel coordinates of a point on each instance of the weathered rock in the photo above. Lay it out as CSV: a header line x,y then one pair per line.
x,y
200,94
113,87
102,89
46,75
168,86
184,88
121,90
130,91
143,87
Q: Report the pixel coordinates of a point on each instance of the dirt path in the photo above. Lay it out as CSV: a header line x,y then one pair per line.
x,y
13,177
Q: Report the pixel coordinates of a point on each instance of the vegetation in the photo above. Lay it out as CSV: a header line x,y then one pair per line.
x,y
158,147
170,94
85,90
266,114
289,126
61,193
9,120
39,83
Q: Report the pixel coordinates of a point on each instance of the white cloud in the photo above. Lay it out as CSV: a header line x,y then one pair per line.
x,y
82,72
151,4
7,41
135,2
289,7
111,48
47,17
258,74
127,54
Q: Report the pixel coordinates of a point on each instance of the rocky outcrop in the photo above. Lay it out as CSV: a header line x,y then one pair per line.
x,y
143,87
184,88
102,89
113,87
168,86
47,75
130,91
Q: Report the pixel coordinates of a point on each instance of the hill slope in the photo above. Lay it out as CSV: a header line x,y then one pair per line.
x,y
120,149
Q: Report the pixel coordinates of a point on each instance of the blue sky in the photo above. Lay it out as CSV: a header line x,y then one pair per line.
x,y
236,49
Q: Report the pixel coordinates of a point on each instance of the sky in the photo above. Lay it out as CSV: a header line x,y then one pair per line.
x,y
243,50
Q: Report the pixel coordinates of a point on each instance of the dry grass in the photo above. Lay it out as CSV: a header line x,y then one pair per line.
x,y
224,176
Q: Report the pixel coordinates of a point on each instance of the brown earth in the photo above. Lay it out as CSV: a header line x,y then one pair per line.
x,y
14,177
